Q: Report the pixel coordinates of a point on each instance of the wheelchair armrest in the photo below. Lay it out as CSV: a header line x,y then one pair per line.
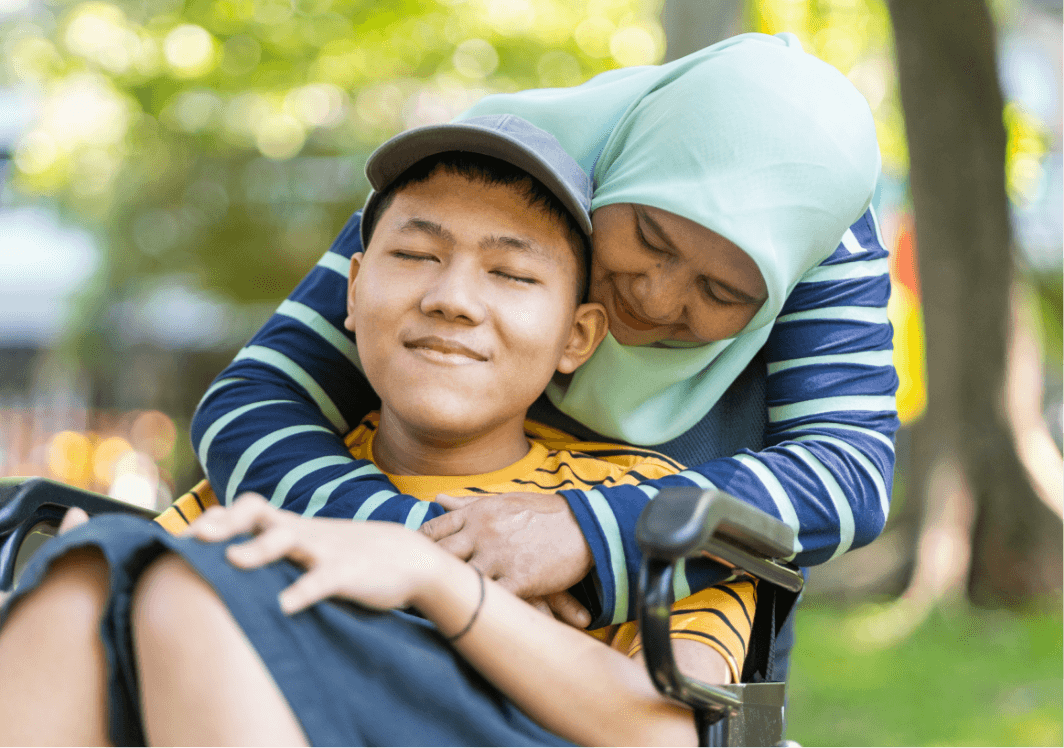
x,y
685,522
26,503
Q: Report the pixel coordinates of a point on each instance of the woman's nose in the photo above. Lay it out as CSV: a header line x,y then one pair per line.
x,y
660,296
454,296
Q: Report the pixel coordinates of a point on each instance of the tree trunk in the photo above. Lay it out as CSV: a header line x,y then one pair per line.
x,y
953,118
691,25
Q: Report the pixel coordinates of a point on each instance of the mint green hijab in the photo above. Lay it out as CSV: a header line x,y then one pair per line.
x,y
754,139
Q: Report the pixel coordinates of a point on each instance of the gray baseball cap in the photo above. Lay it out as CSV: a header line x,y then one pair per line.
x,y
502,136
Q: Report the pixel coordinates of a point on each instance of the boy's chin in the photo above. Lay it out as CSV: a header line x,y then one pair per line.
x,y
448,423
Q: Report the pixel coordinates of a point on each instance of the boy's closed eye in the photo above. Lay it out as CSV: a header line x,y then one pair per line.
x,y
414,256
517,276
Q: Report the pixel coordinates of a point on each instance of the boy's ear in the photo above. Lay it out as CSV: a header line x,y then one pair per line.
x,y
356,263
590,325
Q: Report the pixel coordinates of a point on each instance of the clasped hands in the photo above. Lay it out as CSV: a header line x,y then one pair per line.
x,y
529,543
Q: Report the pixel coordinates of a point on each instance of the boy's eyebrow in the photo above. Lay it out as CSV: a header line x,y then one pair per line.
x,y
514,243
424,226
524,246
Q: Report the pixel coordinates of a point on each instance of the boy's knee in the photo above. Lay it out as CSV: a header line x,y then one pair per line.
x,y
78,580
71,596
167,601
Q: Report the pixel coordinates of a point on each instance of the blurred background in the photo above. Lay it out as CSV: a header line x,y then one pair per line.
x,y
169,170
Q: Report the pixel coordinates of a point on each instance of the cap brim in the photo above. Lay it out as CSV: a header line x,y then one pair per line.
x,y
406,149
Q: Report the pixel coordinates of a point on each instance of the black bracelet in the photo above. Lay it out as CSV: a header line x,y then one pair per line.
x,y
476,612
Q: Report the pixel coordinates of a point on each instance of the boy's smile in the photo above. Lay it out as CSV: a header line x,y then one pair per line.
x,y
444,351
463,307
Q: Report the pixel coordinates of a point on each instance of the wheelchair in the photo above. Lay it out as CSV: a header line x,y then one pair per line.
x,y
680,523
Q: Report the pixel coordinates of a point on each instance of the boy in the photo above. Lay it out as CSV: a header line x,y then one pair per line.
x,y
465,303
462,315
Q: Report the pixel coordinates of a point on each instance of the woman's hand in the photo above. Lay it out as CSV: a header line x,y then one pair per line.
x,y
529,543
380,565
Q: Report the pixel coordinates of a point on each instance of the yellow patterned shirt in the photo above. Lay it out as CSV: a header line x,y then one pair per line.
x,y
719,616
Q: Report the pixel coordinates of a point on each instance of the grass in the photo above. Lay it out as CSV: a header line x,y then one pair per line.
x,y
964,677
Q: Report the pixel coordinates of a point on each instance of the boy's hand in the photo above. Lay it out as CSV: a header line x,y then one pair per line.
x,y
529,543
380,565
73,517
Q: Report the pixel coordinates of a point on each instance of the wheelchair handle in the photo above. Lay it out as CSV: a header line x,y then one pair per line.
x,y
680,520
26,503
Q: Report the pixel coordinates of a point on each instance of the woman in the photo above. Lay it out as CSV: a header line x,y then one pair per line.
x,y
797,369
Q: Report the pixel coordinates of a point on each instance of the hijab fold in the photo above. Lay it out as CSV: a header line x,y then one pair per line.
x,y
752,138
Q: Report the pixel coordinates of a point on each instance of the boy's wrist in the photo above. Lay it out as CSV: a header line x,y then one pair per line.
x,y
449,593
430,564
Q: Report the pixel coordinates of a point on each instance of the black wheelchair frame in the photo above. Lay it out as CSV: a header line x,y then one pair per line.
x,y
679,523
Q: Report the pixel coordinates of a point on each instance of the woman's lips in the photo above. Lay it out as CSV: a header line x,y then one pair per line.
x,y
628,317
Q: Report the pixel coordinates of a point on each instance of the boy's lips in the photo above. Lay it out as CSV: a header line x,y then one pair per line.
x,y
443,349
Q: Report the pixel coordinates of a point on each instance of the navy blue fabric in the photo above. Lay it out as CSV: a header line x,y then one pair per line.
x,y
736,422
281,408
351,676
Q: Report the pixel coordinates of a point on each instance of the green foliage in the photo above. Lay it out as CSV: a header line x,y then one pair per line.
x,y
965,677
1050,290
225,139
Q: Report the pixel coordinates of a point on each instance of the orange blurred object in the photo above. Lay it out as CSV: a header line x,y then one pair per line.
x,y
906,314
154,432
105,458
70,458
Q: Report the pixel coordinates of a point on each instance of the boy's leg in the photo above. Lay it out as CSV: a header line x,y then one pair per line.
x,y
201,681
53,667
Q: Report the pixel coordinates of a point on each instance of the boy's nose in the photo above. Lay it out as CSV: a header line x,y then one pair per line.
x,y
454,296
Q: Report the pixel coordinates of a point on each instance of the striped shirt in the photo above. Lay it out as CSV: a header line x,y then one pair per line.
x,y
273,421
719,616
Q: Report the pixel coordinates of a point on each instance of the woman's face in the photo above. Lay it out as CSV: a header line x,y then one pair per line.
x,y
664,277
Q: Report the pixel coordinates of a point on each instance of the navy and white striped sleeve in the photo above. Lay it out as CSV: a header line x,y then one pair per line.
x,y
273,421
828,465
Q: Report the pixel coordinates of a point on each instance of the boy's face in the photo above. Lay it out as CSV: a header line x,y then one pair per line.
x,y
464,305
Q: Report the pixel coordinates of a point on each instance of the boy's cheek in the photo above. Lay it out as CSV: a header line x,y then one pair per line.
x,y
372,353
539,334
378,315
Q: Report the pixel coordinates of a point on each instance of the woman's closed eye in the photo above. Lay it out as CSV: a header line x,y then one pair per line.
x,y
646,242
720,294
